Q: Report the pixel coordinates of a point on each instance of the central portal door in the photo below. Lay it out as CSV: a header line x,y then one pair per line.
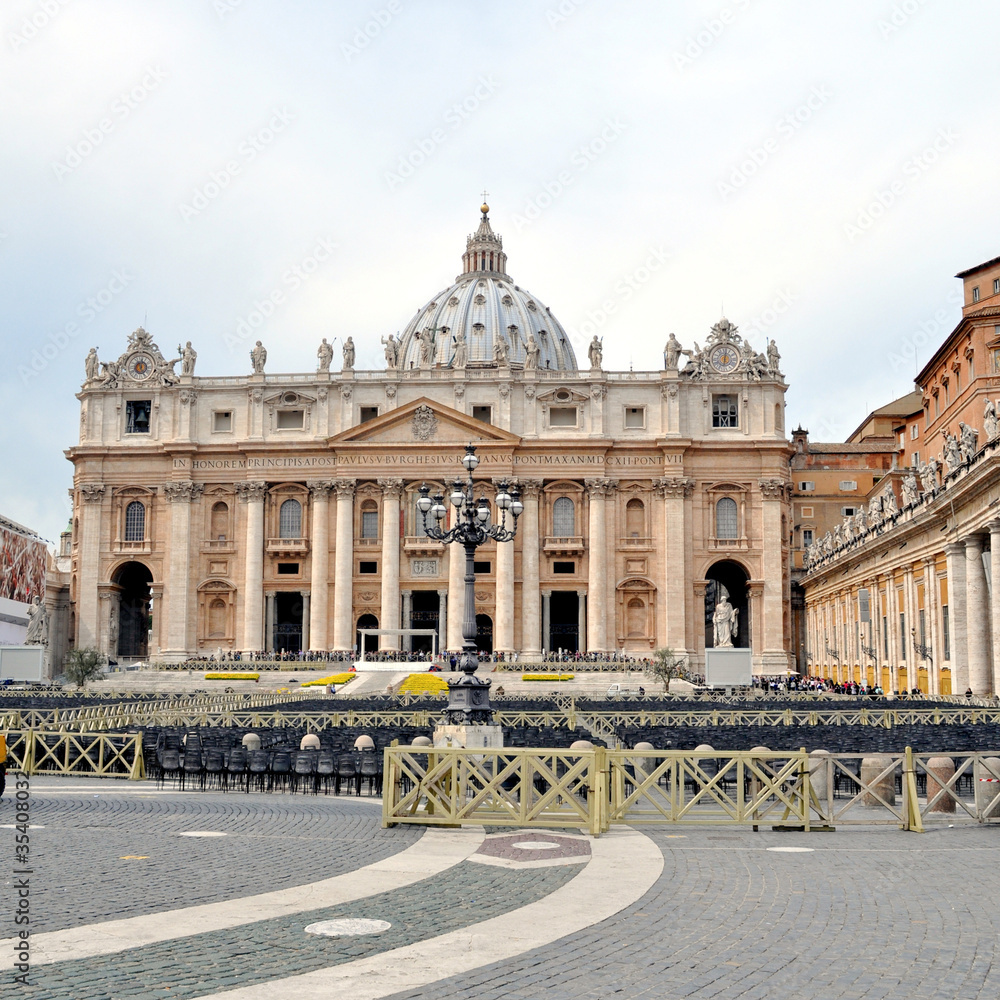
x,y
564,621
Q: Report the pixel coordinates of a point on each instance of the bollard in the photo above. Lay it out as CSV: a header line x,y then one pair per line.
x,y
647,764
871,768
987,790
940,770
819,778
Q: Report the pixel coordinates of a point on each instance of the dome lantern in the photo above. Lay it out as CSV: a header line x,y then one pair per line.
x,y
484,249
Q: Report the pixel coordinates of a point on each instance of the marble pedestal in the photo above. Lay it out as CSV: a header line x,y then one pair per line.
x,y
469,737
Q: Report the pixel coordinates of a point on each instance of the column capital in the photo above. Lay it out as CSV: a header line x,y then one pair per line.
x,y
251,492
319,488
92,492
673,487
774,489
391,488
954,548
973,542
994,526
530,488
600,487
183,491
344,488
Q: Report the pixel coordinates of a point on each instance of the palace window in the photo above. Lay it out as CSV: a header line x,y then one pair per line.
x,y
369,519
135,522
725,411
562,416
483,413
288,569
368,413
635,417
482,567
847,485
222,420
807,536
563,567
564,518
996,286
137,413
975,293
368,567
291,420
290,519
726,518
847,511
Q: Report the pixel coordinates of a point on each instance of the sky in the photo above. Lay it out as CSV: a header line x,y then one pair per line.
x,y
816,172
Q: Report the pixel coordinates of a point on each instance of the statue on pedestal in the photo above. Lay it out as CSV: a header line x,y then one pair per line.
x,y
188,357
258,358
531,353
990,423
671,353
501,349
969,441
596,352
391,351
38,624
911,491
348,349
325,355
725,619
928,476
461,358
91,364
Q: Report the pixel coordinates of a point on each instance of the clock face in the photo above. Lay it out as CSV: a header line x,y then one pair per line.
x,y
140,366
725,358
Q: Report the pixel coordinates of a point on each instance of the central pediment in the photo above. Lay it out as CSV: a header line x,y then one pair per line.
x,y
425,421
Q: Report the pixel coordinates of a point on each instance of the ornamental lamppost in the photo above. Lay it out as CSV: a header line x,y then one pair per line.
x,y
469,695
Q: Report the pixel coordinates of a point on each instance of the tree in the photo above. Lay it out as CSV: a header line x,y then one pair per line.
x,y
665,666
82,665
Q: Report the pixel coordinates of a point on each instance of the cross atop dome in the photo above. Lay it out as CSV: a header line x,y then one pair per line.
x,y
484,249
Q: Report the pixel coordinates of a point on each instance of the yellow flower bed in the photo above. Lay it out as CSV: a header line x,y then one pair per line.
x,y
332,679
232,677
547,677
423,684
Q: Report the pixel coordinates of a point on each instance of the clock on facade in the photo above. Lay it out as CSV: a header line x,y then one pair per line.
x,y
725,358
140,366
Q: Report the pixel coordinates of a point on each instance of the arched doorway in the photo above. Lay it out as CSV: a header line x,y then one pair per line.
x,y
134,619
733,577
484,633
371,641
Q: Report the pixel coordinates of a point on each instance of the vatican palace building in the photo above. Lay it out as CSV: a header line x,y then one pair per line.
x,y
267,512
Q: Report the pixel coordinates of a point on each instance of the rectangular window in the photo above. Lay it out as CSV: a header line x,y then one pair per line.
x,y
996,286
635,416
725,411
482,567
902,635
946,632
806,487
847,511
915,460
288,569
975,293
483,413
914,432
972,369
290,420
367,413
564,567
222,420
137,413
807,536
806,511
369,524
562,416
368,567
847,485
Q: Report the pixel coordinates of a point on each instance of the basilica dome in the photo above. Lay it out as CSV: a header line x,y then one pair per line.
x,y
497,319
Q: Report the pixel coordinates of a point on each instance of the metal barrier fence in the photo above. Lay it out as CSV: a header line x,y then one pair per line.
x,y
103,755
592,789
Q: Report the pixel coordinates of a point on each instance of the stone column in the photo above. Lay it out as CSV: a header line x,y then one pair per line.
x,y
456,590
442,619
977,618
252,494
892,602
582,620
180,496
774,502
306,625
674,492
955,553
597,576
88,625
319,581
994,527
343,566
546,619
503,626
389,616
913,658
407,596
931,612
269,617
530,598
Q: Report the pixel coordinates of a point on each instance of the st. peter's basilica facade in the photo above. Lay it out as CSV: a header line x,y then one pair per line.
x,y
277,511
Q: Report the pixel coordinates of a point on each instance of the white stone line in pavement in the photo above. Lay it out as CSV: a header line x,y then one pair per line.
x,y
624,866
435,852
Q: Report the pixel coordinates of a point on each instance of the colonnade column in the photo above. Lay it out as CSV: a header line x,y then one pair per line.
x,y
389,617
675,576
955,554
343,566
597,575
252,494
530,597
503,628
319,582
773,503
892,601
180,496
977,618
913,658
934,633
994,527
87,602
456,587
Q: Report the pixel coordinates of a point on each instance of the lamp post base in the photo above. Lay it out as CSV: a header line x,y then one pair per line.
x,y
469,737
468,701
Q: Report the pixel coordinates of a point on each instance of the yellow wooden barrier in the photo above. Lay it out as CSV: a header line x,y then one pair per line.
x,y
100,755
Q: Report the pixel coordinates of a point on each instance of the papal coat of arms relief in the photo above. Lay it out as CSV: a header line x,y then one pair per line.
x,y
424,423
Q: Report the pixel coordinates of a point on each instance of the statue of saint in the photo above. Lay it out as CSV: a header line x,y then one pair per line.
x,y
911,490
990,423
928,476
595,352
38,624
725,620
671,353
952,452
531,353
349,354
90,364
461,357
500,349
258,358
889,506
325,354
773,359
188,358
391,351
969,441
426,339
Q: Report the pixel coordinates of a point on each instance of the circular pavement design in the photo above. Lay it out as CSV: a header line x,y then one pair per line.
x,y
347,927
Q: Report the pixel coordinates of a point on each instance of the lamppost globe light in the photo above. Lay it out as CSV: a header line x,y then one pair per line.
x,y
470,460
503,500
439,510
516,507
457,493
483,511
424,502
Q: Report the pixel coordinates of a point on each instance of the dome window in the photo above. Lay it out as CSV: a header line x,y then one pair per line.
x,y
532,306
480,300
453,301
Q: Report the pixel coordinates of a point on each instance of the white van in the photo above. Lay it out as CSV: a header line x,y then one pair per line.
x,y
625,691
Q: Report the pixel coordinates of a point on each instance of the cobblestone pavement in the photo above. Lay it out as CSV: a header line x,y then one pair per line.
x,y
860,914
